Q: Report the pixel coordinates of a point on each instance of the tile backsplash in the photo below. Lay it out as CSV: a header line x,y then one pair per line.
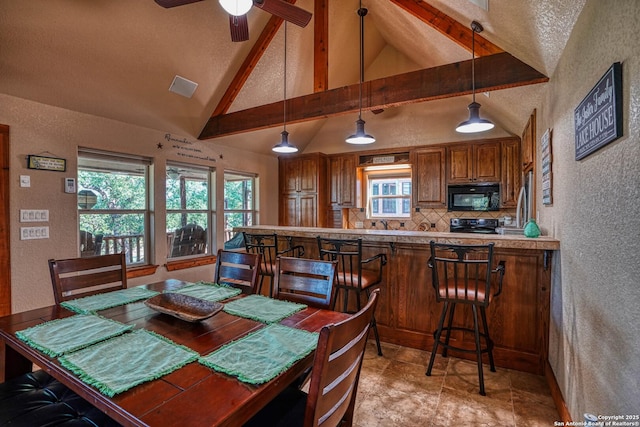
x,y
422,220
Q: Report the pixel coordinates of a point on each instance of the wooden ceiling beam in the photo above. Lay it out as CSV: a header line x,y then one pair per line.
x,y
448,26
250,62
321,45
492,72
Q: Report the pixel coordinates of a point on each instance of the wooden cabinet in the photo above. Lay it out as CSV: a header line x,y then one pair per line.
x,y
342,181
529,143
474,162
429,187
511,175
303,181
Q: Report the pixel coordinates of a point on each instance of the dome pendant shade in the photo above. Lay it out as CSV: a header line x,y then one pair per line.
x,y
360,137
475,123
236,7
284,146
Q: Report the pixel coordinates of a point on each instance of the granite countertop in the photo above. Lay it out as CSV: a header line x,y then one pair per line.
x,y
412,237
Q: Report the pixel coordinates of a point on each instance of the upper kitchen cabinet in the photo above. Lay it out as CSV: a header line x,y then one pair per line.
x,y
529,144
429,177
342,181
303,192
511,174
474,163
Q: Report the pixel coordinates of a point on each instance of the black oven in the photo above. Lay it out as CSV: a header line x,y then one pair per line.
x,y
474,197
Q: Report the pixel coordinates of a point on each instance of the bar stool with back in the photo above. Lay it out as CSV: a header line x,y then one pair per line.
x,y
462,274
350,274
267,245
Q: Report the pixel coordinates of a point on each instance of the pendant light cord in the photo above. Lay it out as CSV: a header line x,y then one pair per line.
x,y
284,119
473,64
362,12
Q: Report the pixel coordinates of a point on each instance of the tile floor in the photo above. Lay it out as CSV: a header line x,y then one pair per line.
x,y
394,391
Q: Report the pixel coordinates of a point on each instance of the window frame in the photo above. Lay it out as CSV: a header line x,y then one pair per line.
x,y
89,155
209,211
402,175
250,212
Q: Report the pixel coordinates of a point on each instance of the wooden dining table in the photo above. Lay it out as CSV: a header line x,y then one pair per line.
x,y
193,395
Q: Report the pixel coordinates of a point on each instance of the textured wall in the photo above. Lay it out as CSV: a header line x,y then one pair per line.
x,y
595,315
38,129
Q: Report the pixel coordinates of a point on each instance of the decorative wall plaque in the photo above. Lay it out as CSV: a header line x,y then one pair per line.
x,y
46,163
598,118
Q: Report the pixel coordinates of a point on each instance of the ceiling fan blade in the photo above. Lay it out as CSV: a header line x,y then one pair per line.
x,y
239,28
174,3
285,10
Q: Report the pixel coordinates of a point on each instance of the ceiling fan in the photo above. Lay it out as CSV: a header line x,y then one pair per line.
x,y
237,10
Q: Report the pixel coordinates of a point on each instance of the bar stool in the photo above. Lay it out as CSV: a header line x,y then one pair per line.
x,y
267,245
462,274
350,274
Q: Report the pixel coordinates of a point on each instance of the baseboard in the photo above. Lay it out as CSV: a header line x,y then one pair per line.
x,y
556,394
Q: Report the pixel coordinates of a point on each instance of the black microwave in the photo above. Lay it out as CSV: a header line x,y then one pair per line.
x,y
473,197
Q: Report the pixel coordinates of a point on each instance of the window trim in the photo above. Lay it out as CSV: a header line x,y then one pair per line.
x,y
386,172
253,210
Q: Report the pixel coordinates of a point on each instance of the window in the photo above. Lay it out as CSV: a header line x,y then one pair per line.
x,y
388,191
239,204
113,205
188,210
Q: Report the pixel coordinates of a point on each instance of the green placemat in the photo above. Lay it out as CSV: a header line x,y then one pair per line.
x,y
60,336
118,364
93,303
262,309
262,355
208,291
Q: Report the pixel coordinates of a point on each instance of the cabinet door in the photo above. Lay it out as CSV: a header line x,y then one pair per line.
x,y
342,179
289,208
429,177
308,175
289,175
528,143
460,163
486,162
307,210
510,173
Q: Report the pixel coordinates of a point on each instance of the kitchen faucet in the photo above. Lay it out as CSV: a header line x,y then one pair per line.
x,y
384,222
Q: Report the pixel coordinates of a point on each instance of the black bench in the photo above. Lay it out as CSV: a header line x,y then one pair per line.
x,y
37,399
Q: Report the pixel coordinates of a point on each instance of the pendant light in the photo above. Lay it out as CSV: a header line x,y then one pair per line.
x,y
236,7
284,146
361,137
475,123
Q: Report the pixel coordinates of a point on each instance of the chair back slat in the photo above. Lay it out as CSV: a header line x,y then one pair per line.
x,y
239,270
348,254
336,368
79,277
305,281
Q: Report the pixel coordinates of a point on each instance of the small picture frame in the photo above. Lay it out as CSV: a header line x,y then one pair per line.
x,y
46,163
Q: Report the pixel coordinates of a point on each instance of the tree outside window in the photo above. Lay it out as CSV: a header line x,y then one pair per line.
x,y
239,204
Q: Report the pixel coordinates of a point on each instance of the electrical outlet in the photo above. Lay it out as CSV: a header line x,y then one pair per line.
x,y
31,233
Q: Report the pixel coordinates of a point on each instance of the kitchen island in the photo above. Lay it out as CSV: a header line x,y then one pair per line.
x,y
407,312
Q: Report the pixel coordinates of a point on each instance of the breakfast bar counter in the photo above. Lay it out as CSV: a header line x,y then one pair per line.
x,y
407,312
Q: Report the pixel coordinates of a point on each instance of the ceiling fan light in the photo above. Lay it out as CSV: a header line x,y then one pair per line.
x,y
475,123
236,7
360,137
284,146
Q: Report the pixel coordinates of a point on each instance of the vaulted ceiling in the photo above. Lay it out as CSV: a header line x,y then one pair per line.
x,y
117,59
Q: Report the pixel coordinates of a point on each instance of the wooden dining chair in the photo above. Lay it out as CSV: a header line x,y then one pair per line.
x,y
238,269
268,246
305,281
81,277
334,378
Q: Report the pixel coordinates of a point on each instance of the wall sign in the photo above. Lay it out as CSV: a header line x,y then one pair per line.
x,y
598,118
46,163
547,184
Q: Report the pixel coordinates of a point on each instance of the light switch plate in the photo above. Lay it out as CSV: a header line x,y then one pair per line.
x,y
25,181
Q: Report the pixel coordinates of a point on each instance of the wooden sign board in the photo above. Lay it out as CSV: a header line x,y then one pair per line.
x,y
46,163
598,118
